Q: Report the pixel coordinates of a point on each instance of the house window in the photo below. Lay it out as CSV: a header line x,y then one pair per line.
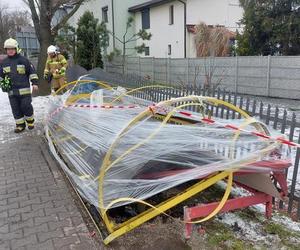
x,y
146,19
147,51
169,49
171,15
105,14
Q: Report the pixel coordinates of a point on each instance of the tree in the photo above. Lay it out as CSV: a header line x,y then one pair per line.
x,y
211,41
206,76
10,22
270,27
66,41
20,18
42,12
89,36
140,35
5,27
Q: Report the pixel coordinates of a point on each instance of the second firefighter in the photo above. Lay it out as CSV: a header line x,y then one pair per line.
x,y
55,68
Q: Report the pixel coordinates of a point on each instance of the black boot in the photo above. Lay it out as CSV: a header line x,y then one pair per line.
x,y
30,123
30,126
20,128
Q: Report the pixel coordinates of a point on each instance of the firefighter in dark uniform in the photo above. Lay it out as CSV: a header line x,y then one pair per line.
x,y
16,73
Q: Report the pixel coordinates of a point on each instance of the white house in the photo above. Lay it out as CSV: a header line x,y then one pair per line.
x,y
169,22
165,21
115,14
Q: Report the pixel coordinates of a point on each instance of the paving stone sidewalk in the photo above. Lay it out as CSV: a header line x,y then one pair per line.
x,y
37,208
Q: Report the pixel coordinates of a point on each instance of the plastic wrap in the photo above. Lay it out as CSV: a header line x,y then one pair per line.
x,y
113,144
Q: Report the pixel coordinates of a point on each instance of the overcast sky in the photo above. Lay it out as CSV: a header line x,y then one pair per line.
x,y
13,4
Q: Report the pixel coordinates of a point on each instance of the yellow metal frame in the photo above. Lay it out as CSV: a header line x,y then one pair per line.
x,y
103,84
139,89
117,230
149,214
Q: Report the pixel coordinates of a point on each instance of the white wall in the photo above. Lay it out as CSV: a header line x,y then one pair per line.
x,y
215,12
163,33
95,6
121,15
212,12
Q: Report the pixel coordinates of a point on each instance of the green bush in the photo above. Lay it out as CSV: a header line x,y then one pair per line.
x,y
88,42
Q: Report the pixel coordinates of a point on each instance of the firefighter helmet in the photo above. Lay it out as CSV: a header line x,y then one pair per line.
x,y
51,49
11,44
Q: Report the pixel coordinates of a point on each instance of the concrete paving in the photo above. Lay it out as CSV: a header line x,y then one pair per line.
x,y
37,207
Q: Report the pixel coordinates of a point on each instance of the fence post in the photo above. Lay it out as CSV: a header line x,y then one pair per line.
x,y
294,181
104,64
188,72
236,74
168,70
126,66
140,70
268,75
153,72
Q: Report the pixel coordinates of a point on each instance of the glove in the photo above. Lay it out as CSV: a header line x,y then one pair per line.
x,y
46,75
62,71
5,84
35,87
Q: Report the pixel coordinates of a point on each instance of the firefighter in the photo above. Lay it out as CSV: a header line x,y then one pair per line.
x,y
55,69
16,73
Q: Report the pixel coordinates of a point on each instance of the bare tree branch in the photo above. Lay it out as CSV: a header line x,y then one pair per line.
x,y
11,21
77,4
134,35
133,40
211,41
57,5
42,12
35,17
116,37
128,25
38,5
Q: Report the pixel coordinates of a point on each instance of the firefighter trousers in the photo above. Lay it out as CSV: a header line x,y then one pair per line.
x,y
57,83
21,108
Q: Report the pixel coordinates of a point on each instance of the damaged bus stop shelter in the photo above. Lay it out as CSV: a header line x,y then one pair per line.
x,y
118,147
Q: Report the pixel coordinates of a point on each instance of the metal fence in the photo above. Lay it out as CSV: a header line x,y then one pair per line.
x,y
273,76
278,119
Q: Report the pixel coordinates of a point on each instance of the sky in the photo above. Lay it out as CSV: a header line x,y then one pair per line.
x,y
13,4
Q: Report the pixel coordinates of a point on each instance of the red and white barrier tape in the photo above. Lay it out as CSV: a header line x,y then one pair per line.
x,y
101,106
91,106
233,127
154,108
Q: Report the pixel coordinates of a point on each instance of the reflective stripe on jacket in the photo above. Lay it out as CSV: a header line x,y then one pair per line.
x,y
23,91
20,71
